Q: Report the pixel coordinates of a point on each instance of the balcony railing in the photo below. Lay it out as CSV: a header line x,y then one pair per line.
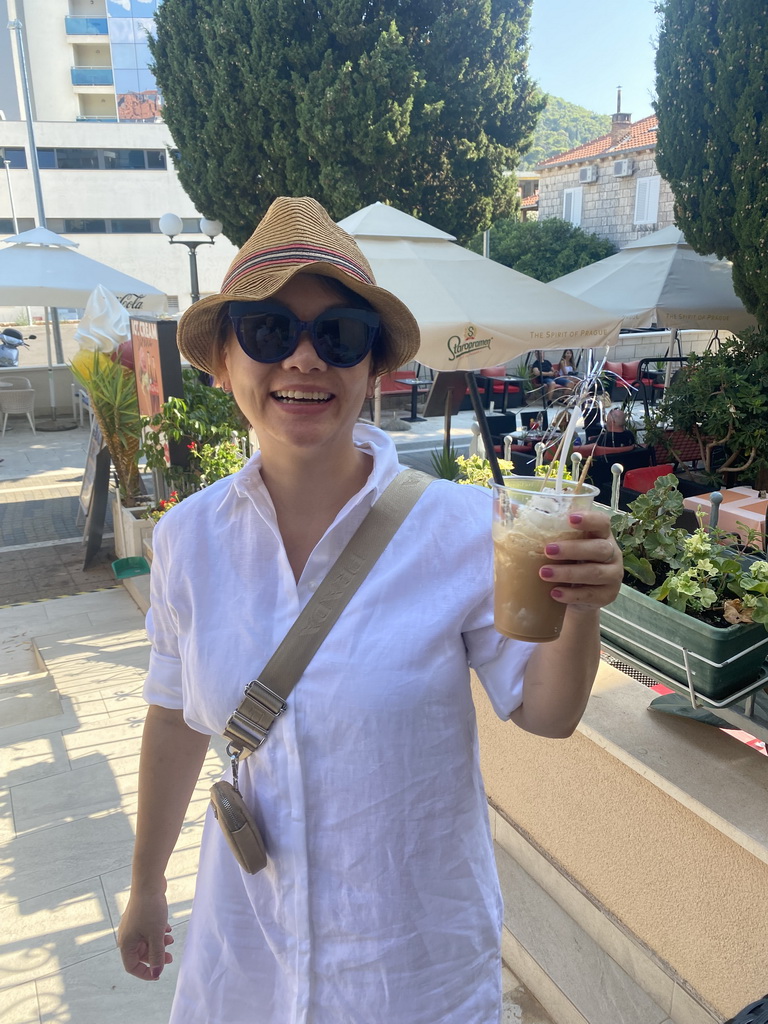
x,y
85,26
95,117
92,76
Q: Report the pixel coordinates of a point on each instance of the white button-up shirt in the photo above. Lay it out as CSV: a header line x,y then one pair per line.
x,y
380,903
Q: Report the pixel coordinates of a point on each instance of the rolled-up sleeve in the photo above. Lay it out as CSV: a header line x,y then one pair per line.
x,y
500,666
163,684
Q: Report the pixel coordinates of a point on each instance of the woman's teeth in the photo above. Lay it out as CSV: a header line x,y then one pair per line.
x,y
302,396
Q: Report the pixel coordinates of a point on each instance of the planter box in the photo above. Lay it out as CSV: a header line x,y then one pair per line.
x,y
130,529
722,661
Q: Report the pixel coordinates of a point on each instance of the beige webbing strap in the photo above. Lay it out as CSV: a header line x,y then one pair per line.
x,y
265,697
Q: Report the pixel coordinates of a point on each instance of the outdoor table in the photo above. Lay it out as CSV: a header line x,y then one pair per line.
x,y
508,381
417,386
741,508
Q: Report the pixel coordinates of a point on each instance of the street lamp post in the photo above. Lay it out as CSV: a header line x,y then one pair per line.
x,y
172,225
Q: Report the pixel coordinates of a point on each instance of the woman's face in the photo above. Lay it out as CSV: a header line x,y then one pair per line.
x,y
568,355
301,402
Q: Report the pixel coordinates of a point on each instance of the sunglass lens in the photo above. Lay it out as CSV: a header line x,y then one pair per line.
x,y
343,340
266,336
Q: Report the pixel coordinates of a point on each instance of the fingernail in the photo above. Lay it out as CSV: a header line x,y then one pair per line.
x,y
556,593
546,573
552,549
576,518
156,972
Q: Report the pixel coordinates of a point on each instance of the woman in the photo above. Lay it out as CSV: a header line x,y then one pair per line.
x,y
566,372
380,900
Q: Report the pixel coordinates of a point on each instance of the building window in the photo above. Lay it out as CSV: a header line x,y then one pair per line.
x,y
131,226
647,200
572,205
101,159
7,228
15,155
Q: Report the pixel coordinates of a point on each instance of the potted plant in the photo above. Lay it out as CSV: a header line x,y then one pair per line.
x,y
207,433
720,400
689,602
112,392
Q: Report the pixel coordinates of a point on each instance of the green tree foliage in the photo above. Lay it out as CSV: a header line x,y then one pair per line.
x,y
544,249
421,103
563,126
712,66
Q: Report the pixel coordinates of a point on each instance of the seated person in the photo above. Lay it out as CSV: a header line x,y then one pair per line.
x,y
543,375
566,372
616,433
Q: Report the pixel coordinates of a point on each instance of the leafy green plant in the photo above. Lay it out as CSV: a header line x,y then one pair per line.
x,y
204,423
721,400
112,392
696,573
474,469
445,463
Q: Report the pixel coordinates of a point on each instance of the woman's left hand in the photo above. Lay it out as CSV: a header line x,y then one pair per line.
x,y
585,572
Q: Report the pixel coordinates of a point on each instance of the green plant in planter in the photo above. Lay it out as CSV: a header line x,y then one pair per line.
x,y
112,392
695,573
721,400
207,423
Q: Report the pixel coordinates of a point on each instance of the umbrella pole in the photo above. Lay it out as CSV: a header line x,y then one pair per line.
x,y
485,430
54,424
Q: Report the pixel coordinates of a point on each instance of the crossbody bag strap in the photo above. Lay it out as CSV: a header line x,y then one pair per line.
x,y
265,697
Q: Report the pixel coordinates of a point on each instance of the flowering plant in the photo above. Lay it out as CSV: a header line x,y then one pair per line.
x,y
164,505
696,573
477,470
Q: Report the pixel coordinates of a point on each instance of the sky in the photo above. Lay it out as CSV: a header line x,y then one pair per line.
x,y
583,51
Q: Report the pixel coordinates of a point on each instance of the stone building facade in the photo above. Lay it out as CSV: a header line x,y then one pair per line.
x,y
610,187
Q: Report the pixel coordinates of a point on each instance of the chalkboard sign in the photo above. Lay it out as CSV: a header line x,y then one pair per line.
x,y
95,444
94,493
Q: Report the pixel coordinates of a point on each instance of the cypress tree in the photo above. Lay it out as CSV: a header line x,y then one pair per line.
x,y
712,144
422,103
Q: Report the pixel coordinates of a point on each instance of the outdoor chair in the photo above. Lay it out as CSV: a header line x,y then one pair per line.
x,y
17,397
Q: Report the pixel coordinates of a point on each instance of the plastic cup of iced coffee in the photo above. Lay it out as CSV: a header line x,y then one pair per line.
x,y
528,514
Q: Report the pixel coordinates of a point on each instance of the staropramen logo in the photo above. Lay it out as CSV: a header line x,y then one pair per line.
x,y
458,346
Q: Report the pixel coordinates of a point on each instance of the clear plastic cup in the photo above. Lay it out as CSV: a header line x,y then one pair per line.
x,y
528,514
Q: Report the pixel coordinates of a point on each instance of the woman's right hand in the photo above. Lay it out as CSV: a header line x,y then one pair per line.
x,y
144,934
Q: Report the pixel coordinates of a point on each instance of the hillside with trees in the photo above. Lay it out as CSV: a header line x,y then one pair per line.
x,y
563,126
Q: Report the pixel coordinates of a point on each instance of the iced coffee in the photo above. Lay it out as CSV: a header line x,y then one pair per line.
x,y
528,514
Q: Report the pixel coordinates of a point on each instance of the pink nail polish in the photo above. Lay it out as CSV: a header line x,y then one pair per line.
x,y
552,549
576,518
156,972
556,593
546,573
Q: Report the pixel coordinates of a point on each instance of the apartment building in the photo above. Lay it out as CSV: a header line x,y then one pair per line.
x,y
103,148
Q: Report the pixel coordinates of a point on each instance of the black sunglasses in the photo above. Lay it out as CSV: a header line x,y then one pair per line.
x,y
269,333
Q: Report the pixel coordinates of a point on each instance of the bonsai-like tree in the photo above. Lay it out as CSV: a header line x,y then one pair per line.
x,y
421,104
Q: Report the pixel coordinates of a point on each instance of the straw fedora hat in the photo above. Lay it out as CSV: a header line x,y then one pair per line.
x,y
296,236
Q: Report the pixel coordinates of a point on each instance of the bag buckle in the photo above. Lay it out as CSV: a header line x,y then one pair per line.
x,y
249,725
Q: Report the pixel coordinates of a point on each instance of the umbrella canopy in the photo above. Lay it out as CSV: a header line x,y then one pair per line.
x,y
472,311
40,268
660,280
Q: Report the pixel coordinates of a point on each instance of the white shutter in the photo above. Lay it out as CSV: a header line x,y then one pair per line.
x,y
647,200
572,205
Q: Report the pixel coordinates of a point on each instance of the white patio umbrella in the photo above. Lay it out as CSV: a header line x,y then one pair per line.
x,y
660,280
472,312
39,268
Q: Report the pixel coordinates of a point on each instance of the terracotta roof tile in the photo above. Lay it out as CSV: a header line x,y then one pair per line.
x,y
642,133
530,202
